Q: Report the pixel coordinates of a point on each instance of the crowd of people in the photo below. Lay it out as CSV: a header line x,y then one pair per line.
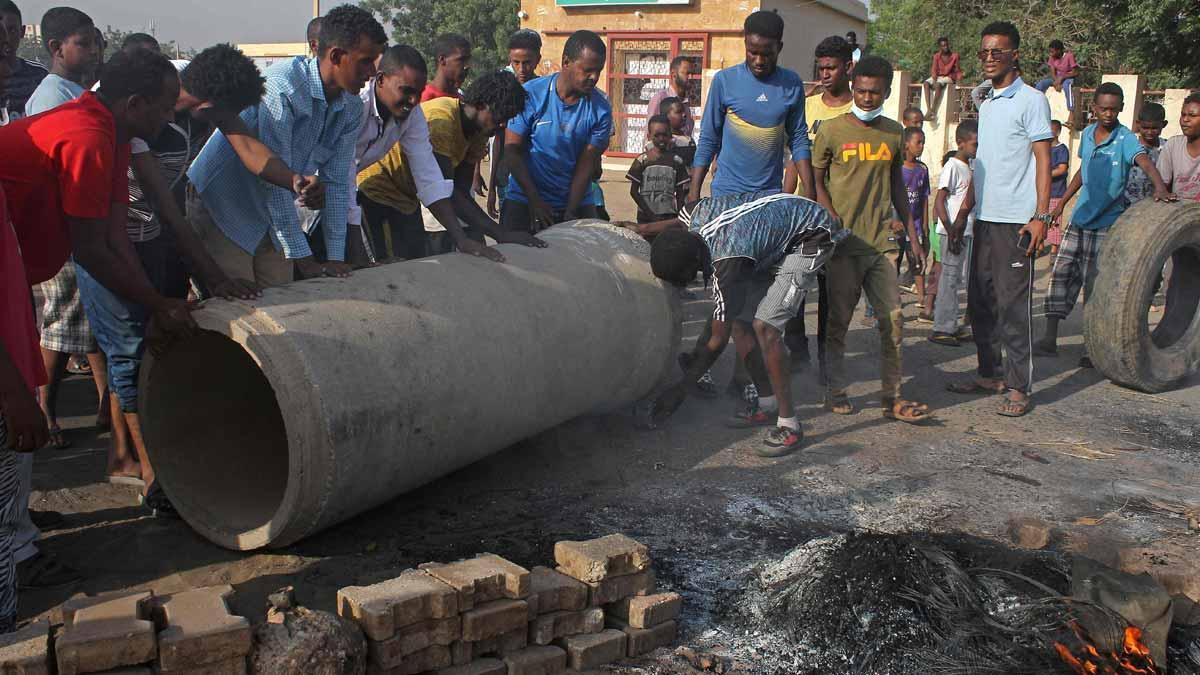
x,y
134,184
856,202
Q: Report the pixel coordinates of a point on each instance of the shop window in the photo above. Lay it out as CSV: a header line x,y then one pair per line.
x,y
639,66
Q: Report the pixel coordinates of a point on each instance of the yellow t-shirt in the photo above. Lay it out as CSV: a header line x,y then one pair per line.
x,y
390,182
816,112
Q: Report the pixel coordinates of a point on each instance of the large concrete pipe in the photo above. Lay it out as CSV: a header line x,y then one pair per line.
x,y
328,397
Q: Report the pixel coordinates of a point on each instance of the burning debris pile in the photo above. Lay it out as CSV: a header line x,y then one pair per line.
x,y
942,605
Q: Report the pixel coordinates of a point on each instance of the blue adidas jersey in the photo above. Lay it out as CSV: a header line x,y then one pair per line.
x,y
750,127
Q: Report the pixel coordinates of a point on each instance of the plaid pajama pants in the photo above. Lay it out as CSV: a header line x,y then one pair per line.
x,y
64,325
1075,269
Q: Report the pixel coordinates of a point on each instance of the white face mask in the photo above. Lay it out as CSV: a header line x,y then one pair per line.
x,y
865,115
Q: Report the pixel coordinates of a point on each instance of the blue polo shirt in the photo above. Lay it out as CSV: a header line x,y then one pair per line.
x,y
1105,170
1010,122
555,135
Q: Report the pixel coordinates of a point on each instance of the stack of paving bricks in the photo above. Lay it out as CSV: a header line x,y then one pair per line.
x,y
136,633
618,574
488,616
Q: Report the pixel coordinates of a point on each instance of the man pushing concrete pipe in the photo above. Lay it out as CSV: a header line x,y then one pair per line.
x,y
325,398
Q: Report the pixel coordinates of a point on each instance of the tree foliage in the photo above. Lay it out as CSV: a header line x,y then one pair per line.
x,y
32,49
486,23
1159,39
115,36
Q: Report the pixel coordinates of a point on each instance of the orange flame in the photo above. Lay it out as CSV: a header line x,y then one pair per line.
x,y
1133,659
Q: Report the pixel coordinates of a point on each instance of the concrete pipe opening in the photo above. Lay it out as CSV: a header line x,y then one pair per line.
x,y
328,397
228,462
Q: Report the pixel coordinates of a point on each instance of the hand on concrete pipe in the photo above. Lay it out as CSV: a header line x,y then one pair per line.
x,y
522,238
472,247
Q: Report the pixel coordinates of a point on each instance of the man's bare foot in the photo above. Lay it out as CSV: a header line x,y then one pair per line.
x,y
128,473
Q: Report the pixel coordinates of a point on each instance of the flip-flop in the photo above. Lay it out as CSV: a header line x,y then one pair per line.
x,y
57,440
133,481
972,387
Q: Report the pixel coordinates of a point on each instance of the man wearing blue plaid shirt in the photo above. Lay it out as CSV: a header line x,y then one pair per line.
x,y
310,118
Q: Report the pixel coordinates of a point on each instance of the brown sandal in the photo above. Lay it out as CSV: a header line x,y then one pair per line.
x,y
839,404
909,412
1012,408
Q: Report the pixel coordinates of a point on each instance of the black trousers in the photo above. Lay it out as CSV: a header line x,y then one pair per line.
x,y
407,230
1000,297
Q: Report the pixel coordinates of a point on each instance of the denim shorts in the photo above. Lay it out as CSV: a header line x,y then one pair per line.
x,y
120,325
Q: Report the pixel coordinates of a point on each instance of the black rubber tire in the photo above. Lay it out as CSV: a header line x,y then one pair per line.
x,y
1119,340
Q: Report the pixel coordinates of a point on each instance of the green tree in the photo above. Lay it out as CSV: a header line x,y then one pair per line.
x,y
113,37
486,23
1160,40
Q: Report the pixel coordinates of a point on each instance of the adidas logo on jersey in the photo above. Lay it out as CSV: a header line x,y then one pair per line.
x,y
762,98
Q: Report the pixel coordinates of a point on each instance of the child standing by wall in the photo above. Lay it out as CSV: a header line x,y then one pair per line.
x,y
676,113
1060,158
953,185
659,178
1150,123
916,185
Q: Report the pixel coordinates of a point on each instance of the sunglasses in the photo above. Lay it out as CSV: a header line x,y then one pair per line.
x,y
993,54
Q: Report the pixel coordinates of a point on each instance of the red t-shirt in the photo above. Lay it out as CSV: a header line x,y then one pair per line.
x,y
17,331
62,163
431,92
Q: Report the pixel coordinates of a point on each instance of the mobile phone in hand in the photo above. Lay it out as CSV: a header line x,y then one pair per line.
x,y
1024,241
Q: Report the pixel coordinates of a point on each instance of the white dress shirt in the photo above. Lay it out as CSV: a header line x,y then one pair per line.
x,y
375,140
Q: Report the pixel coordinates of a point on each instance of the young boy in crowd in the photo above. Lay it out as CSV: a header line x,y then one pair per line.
x,y
916,187
860,154
913,118
1107,152
1179,162
70,37
1060,160
453,55
20,76
834,58
953,185
944,72
763,251
675,111
1151,121
64,173
659,178
310,117
524,55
